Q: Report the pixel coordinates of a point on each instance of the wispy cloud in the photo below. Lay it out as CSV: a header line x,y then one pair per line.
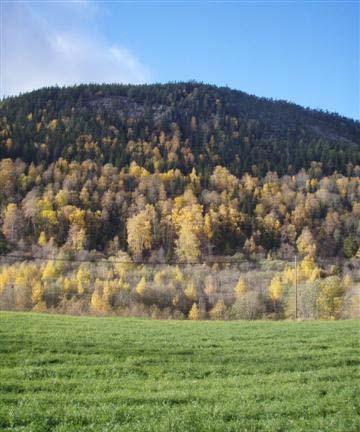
x,y
37,52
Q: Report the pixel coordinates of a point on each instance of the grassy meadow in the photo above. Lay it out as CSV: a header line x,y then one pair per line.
x,y
62,373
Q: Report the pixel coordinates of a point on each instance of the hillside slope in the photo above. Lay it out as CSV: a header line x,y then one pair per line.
x,y
174,126
177,171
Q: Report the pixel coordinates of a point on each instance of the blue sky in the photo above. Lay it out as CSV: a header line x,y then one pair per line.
x,y
305,52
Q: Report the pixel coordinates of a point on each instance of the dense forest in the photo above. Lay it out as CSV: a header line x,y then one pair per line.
x,y
185,125
177,174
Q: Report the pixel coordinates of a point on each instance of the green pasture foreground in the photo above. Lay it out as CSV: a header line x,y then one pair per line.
x,y
61,373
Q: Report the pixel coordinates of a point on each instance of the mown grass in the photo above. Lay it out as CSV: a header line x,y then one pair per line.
x,y
60,373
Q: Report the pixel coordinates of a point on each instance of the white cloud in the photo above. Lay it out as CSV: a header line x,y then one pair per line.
x,y
37,53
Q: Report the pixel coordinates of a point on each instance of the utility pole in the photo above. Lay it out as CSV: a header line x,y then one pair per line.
x,y
296,289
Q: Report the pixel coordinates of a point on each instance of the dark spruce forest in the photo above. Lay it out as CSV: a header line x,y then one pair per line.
x,y
206,126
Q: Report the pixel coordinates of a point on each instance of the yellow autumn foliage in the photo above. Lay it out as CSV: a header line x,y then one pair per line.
x,y
194,313
276,288
240,288
190,291
141,287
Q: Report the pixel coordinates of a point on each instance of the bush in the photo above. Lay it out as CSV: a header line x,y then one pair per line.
x,y
194,313
330,299
248,307
219,311
350,247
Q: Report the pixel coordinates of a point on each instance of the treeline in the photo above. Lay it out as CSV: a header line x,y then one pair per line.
x,y
175,126
243,290
170,216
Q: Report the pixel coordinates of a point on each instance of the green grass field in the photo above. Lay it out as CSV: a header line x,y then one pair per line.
x,y
60,373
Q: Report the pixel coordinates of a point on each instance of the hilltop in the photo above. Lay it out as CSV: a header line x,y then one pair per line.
x,y
179,125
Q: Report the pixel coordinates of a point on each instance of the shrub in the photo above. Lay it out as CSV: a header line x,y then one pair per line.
x,y
194,313
248,307
306,300
350,247
240,288
219,311
330,297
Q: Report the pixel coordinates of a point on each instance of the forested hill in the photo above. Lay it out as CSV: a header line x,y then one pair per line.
x,y
180,125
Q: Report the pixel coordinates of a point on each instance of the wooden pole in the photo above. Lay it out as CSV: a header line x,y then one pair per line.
x,y
296,289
